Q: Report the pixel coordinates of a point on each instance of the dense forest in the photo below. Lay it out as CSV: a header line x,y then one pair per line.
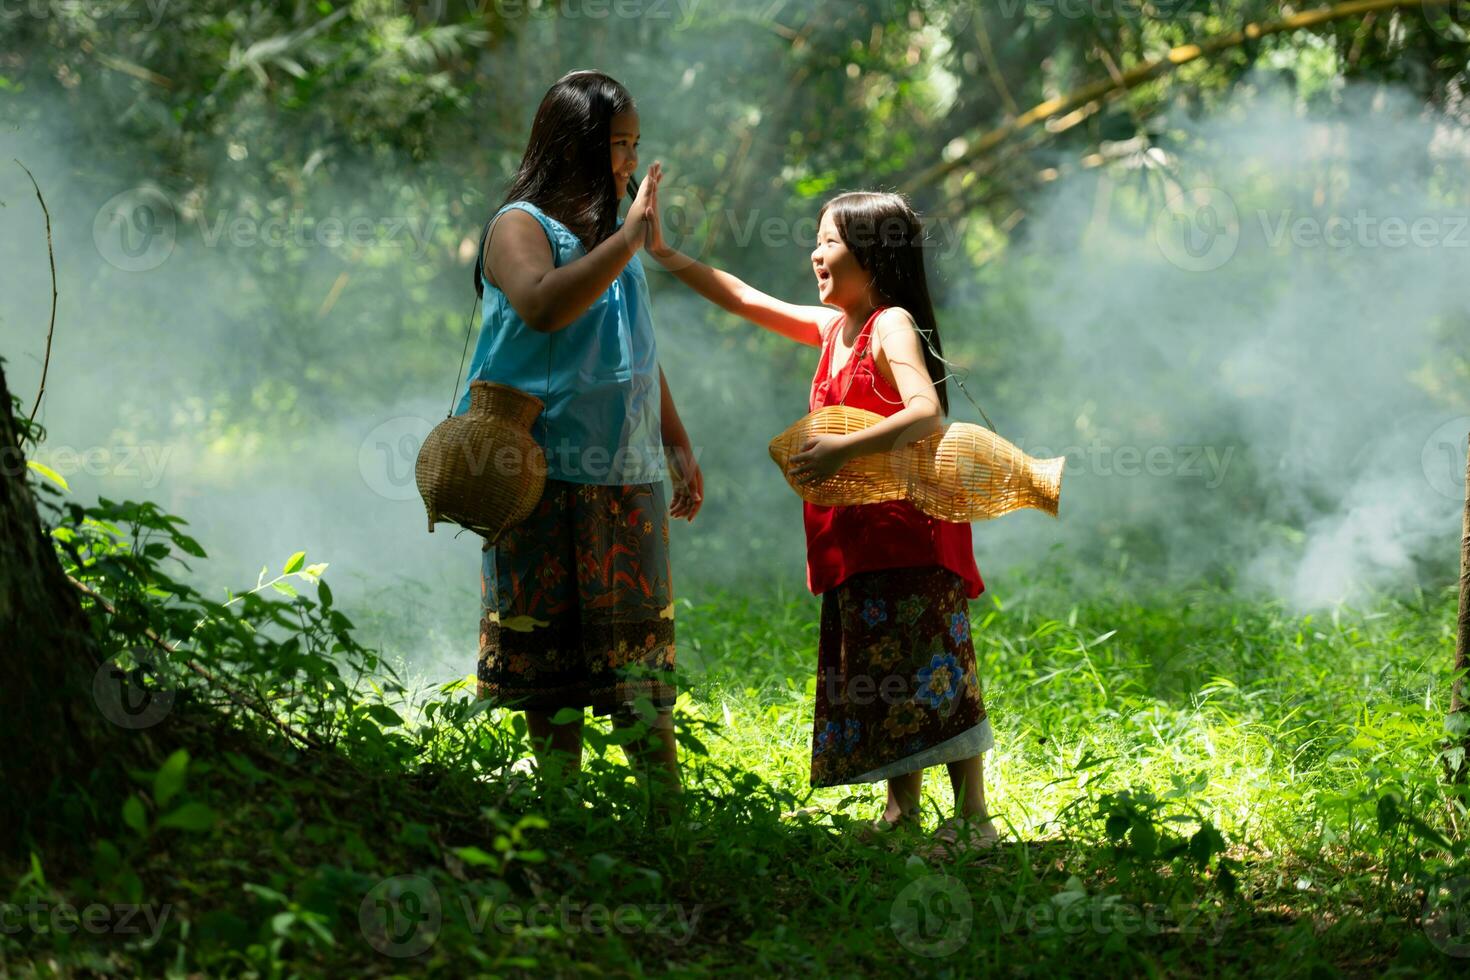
x,y
1211,253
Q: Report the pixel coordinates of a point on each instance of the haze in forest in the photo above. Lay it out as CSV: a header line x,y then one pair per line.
x,y
1233,342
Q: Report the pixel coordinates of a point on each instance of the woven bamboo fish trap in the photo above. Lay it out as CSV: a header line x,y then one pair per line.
x,y
964,473
483,470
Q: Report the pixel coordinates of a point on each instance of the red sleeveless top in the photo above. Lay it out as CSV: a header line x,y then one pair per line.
x,y
842,541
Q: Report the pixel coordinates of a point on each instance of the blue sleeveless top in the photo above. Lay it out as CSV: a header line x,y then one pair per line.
x,y
598,375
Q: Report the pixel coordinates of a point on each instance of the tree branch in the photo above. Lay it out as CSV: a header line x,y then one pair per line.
x,y
51,328
305,738
1148,71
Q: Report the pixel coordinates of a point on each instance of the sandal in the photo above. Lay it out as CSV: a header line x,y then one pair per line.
x,y
881,829
957,836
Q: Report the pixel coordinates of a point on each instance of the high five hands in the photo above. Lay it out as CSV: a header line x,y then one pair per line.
x,y
643,228
641,225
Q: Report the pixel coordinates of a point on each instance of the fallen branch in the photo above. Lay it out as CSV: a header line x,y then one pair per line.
x,y
1114,86
51,328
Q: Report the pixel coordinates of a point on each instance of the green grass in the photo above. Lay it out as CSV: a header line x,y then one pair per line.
x,y
1189,782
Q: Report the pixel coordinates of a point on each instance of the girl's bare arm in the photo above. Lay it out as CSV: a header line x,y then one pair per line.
x,y
800,323
518,261
897,346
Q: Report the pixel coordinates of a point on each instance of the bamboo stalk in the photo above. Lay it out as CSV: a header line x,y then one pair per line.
x,y
1148,71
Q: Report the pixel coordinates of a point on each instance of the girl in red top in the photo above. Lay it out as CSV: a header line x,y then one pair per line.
x,y
897,690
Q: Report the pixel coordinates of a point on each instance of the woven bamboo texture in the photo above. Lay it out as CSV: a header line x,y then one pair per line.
x,y
483,470
963,473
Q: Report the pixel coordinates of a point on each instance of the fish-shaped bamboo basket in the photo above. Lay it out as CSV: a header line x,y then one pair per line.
x,y
963,473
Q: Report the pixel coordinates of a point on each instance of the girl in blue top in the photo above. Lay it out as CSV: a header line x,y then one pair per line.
x,y
577,605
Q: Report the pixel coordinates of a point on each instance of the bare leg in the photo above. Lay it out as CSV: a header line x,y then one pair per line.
x,y
558,748
903,796
654,758
971,827
967,778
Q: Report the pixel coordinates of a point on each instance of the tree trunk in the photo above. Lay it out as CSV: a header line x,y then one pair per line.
x,y
54,732
1459,704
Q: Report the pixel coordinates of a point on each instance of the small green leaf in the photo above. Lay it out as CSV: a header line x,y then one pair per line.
x,y
285,588
295,562
170,778
384,715
49,474
133,815
191,817
477,857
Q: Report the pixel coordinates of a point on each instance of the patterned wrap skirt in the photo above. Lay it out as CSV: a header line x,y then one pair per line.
x,y
897,690
577,606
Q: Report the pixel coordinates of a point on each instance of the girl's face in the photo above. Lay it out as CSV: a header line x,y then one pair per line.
x,y
624,148
840,280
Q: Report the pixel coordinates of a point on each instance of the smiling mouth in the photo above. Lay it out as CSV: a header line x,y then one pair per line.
x,y
823,275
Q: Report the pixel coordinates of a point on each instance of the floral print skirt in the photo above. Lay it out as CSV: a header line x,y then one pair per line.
x,y
896,684
577,607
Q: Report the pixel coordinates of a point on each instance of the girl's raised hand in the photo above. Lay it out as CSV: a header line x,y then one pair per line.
x,y
644,209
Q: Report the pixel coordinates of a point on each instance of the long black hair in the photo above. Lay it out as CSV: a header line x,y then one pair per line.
x,y
885,235
565,170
